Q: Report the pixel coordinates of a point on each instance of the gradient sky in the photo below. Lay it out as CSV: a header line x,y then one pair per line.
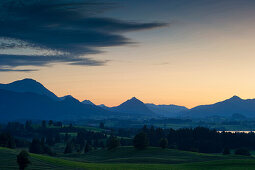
x,y
190,53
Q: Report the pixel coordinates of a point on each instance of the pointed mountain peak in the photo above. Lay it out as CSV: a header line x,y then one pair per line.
x,y
134,99
134,106
235,98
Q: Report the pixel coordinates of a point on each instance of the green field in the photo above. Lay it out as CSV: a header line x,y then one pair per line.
x,y
150,155
152,159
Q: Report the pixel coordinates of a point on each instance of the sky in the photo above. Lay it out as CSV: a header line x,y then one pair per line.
x,y
161,51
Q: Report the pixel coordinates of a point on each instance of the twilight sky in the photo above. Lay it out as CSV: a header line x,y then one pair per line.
x,y
162,51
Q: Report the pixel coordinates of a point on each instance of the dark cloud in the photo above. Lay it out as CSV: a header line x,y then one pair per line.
x,y
66,26
26,60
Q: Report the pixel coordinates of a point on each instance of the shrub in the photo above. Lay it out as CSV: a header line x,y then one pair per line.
x,y
23,160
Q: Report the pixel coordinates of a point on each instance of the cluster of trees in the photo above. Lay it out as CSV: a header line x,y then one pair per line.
x,y
49,133
40,147
84,141
7,140
45,136
198,139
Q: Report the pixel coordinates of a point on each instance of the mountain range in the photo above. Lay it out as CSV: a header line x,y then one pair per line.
x,y
227,108
29,99
166,110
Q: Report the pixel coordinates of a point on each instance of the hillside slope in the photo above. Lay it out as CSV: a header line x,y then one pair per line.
x,y
41,162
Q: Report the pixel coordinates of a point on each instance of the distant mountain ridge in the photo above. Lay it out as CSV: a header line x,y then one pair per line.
x,y
226,108
16,106
166,110
29,99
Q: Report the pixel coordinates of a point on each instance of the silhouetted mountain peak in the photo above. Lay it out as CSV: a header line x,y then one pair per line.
x,y
104,107
69,98
87,102
133,100
234,99
226,108
134,106
28,85
27,81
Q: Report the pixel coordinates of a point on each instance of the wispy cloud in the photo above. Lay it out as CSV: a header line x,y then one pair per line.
x,y
16,70
67,27
163,63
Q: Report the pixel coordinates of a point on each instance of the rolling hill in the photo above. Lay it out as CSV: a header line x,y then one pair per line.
x,y
42,162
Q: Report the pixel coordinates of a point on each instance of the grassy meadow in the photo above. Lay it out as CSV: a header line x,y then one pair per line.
x,y
125,158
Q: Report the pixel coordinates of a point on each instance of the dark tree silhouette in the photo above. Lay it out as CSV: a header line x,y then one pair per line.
x,y
28,125
36,147
43,124
50,123
87,148
112,142
23,160
67,137
7,140
243,151
226,151
69,148
141,141
101,125
163,143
